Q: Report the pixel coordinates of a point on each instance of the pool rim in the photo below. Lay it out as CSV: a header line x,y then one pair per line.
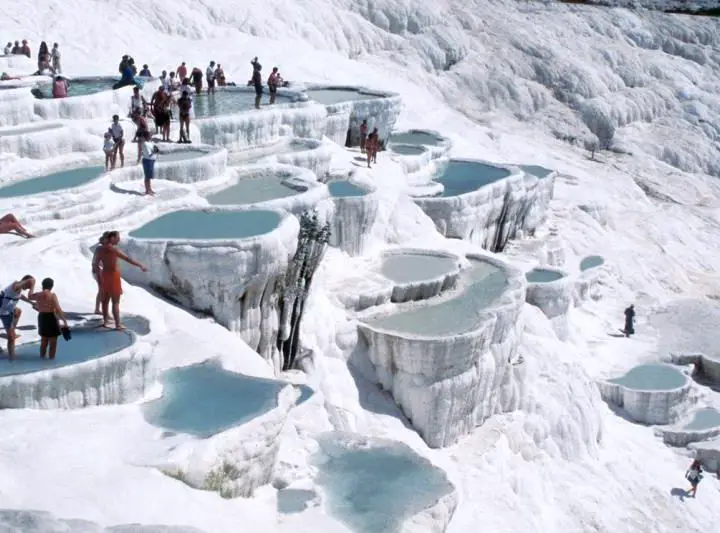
x,y
373,94
514,174
564,276
686,385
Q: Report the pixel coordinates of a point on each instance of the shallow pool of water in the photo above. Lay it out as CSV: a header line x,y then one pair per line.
x,y
86,344
344,189
408,267
652,377
204,399
703,419
376,488
337,96
462,177
81,87
229,102
481,284
415,137
252,191
66,179
542,275
180,155
32,128
535,170
407,149
209,225
591,261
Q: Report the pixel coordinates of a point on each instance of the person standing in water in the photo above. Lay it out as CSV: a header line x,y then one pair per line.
x,y
197,77
256,81
182,72
49,312
10,313
629,328
210,77
56,56
60,87
694,476
106,260
184,106
96,271
273,82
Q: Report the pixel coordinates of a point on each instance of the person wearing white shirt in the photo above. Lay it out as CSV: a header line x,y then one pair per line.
x,y
8,49
55,55
118,135
149,155
210,76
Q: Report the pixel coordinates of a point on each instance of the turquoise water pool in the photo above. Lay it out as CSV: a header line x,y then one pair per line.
x,y
337,96
376,488
416,137
482,284
407,149
542,275
81,87
252,191
591,261
345,189
229,102
535,170
409,267
58,181
86,344
209,225
703,419
651,377
461,177
204,399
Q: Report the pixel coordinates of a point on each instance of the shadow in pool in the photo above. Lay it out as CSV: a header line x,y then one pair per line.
x,y
204,399
87,343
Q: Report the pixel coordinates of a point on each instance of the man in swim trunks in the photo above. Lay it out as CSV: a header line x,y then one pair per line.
x,y
106,261
9,312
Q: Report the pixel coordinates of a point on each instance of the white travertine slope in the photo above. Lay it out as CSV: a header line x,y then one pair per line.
x,y
16,106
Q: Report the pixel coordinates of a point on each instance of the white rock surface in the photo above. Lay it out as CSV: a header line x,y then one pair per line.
x,y
234,280
708,453
16,106
316,156
50,139
352,219
31,521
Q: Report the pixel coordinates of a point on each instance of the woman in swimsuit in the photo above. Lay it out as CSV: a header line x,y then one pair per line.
x,y
96,271
49,311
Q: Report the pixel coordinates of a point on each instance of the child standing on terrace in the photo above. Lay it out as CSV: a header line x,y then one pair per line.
x,y
109,149
49,311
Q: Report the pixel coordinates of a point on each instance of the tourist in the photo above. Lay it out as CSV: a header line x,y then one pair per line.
x,y
161,102
106,261
55,55
10,224
274,80
96,273
118,136
60,87
109,149
210,77
140,132
629,328
164,79
149,154
123,63
17,49
197,77
145,72
363,135
371,147
10,313
6,77
25,49
694,476
49,312
220,76
376,144
138,103
43,57
185,87
256,81
182,72
8,49
184,107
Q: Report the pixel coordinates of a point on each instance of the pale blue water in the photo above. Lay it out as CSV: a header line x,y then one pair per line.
x,y
344,189
407,149
403,268
205,225
204,399
337,96
229,102
591,261
462,177
67,179
541,275
483,284
652,376
81,88
535,170
703,419
181,155
375,489
251,191
291,501
415,137
33,128
86,344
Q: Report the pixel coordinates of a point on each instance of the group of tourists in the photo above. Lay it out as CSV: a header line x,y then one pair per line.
x,y
369,144
105,271
274,81
114,146
17,49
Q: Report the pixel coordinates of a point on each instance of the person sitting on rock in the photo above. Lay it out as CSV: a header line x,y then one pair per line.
x,y
8,49
6,77
25,49
16,49
629,328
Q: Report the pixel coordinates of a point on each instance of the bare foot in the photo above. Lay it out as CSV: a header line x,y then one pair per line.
x,y
105,325
97,312
120,327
